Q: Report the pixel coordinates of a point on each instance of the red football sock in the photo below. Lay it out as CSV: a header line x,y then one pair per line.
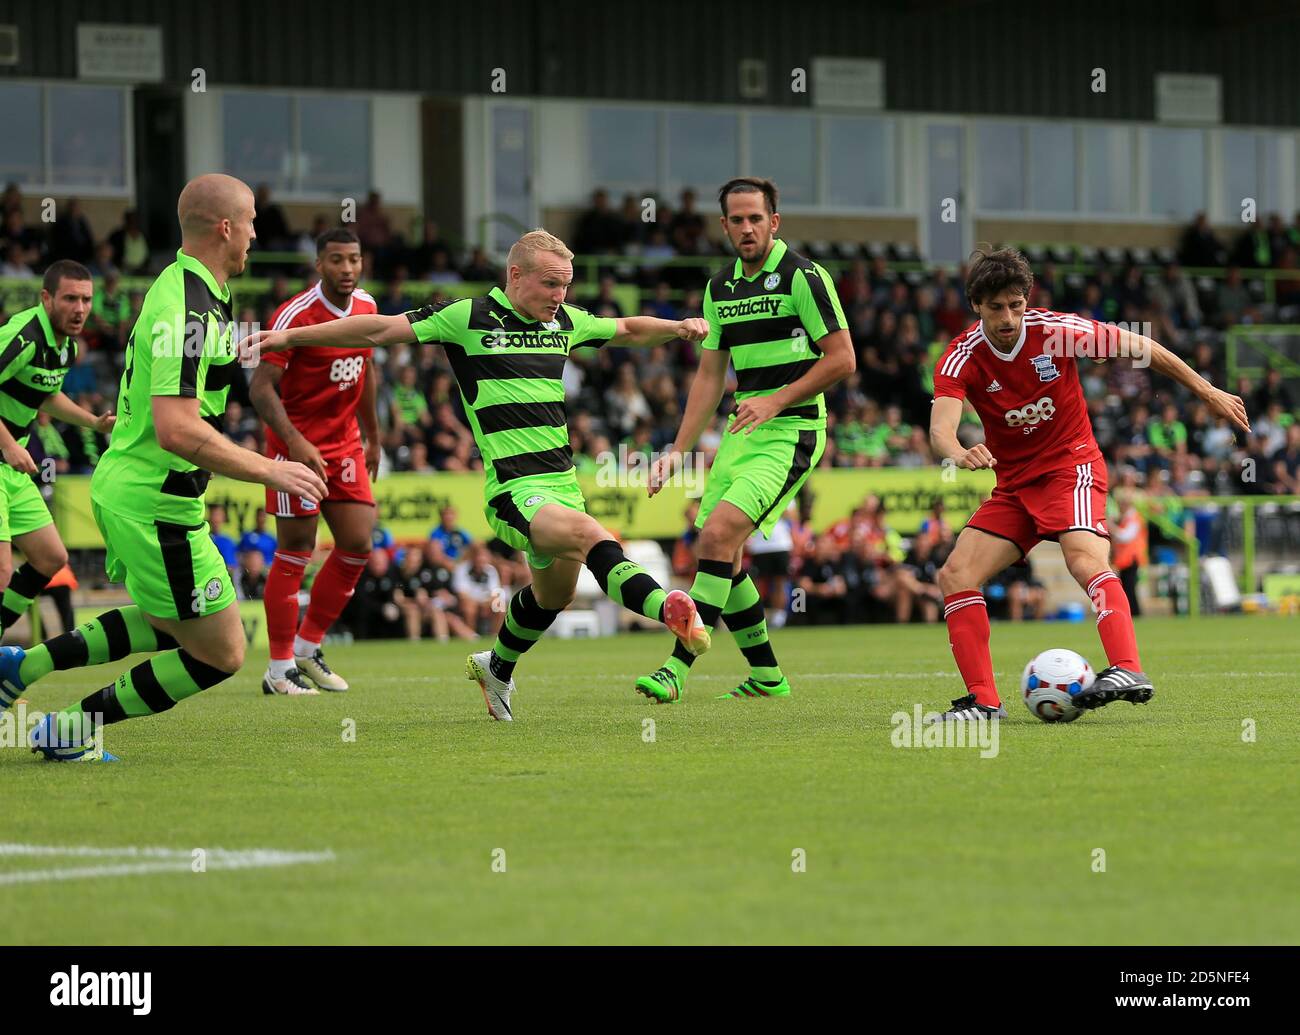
x,y
1114,621
280,598
968,634
334,584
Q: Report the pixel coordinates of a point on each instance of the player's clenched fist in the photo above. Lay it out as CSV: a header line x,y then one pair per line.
x,y
296,479
976,458
693,329
253,345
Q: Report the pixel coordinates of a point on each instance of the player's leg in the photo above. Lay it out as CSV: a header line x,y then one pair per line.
x,y
295,533
31,528
528,615
977,557
563,531
1087,555
184,589
351,524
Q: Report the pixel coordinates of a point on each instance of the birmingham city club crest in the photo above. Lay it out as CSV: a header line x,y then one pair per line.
x,y
1046,368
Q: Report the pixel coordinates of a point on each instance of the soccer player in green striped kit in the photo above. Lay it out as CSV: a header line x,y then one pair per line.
x,y
776,317
147,494
37,346
507,350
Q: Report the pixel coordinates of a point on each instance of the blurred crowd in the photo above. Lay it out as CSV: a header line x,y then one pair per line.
x,y
1156,439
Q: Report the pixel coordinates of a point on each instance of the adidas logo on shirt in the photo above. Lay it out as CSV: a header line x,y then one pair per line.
x,y
994,387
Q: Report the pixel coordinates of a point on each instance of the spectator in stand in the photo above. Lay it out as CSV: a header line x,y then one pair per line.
x,y
477,586
824,584
1129,546
453,541
1199,246
1286,464
431,245
16,233
1175,295
625,403
409,411
14,264
442,271
258,538
683,559
130,249
1271,391
102,265
373,612
686,231
270,224
599,230
1231,299
770,567
224,544
71,236
478,269
1168,436
306,242
373,228
448,440
395,300
110,315
252,575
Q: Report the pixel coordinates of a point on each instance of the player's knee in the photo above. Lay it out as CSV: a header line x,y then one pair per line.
x,y
953,578
553,599
53,562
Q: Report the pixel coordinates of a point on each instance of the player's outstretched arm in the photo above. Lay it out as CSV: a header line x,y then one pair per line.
x,y
945,415
651,331
357,332
1141,350
60,407
701,405
181,431
837,362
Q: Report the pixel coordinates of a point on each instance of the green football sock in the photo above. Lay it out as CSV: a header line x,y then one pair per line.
x,y
151,687
25,586
747,621
626,582
112,636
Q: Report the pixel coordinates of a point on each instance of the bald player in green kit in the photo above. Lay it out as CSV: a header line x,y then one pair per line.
x,y
147,493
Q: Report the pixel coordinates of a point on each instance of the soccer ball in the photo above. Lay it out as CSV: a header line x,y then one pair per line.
x,y
1050,682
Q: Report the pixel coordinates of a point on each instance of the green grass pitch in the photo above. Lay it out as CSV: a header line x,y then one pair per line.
x,y
607,837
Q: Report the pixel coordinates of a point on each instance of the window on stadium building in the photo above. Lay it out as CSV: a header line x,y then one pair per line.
x,y
1108,158
70,137
858,154
1251,164
1175,172
1052,186
784,147
310,144
1000,166
702,150
623,149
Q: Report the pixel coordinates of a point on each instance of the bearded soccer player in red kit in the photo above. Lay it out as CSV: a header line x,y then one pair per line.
x,y
1018,369
315,403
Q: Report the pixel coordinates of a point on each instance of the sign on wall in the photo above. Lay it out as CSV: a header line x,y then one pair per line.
x,y
128,53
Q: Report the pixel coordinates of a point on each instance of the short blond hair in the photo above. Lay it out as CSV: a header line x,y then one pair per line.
x,y
523,253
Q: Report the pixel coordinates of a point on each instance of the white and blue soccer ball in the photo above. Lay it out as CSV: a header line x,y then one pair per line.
x,y
1051,682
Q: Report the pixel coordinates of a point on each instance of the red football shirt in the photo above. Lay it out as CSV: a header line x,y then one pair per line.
x,y
1029,398
321,387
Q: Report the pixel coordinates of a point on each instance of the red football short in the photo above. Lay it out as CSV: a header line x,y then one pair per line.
x,y
1065,500
347,481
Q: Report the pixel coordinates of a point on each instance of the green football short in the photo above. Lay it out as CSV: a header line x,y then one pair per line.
x,y
170,571
511,511
760,473
22,509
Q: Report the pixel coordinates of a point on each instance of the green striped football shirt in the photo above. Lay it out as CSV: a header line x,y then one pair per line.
x,y
770,323
182,345
33,363
509,371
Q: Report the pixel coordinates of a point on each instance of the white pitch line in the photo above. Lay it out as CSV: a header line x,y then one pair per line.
x,y
163,860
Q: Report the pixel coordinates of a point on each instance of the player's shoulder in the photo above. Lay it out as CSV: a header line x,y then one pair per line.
x,y
457,311
1053,318
292,310
956,355
364,301
25,322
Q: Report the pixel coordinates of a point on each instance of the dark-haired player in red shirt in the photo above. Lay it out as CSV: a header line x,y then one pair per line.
x,y
1018,369
315,403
